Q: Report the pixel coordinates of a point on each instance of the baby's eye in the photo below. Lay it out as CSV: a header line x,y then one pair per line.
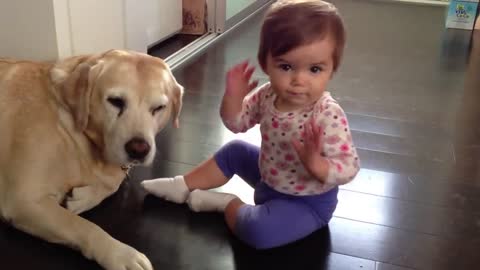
x,y
315,69
285,67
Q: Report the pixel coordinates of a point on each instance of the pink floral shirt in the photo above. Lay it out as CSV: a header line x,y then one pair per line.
x,y
279,164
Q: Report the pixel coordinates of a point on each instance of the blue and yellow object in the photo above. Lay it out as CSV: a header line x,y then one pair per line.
x,y
462,14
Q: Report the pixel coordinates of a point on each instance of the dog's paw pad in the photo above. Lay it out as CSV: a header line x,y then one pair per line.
x,y
80,199
82,192
76,207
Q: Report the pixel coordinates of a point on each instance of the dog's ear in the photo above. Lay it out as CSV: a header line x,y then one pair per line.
x,y
176,93
177,104
74,80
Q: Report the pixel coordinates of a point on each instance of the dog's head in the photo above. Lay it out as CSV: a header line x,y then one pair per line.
x,y
120,100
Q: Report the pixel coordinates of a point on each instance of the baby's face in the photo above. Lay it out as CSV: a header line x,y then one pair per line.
x,y
300,76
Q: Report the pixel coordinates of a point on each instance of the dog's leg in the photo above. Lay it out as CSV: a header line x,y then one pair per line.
x,y
46,219
85,198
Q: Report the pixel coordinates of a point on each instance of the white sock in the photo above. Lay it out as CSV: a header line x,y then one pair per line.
x,y
204,200
170,189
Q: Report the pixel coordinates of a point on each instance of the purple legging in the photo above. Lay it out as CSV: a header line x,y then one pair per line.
x,y
277,218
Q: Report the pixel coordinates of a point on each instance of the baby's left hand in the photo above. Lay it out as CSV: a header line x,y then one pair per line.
x,y
310,152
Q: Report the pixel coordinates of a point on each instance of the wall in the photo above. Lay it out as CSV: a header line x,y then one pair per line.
x,y
52,29
62,27
49,29
163,18
96,25
27,30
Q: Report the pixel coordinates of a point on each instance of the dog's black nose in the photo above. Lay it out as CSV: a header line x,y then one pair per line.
x,y
137,148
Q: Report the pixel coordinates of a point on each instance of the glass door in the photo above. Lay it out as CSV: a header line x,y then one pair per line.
x,y
231,12
221,15
233,7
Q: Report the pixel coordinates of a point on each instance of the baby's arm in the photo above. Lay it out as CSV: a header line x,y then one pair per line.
x,y
338,147
327,151
237,87
310,151
239,109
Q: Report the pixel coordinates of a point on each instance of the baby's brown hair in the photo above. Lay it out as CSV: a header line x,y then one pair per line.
x,y
292,23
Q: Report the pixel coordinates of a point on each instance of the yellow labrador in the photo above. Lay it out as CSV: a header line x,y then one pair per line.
x,y
66,131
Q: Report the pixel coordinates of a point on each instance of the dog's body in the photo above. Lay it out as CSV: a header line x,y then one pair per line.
x,y
66,130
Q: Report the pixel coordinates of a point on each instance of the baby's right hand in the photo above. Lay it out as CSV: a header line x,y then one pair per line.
x,y
238,80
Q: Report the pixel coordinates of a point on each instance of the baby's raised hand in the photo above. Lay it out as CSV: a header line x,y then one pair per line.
x,y
310,152
238,80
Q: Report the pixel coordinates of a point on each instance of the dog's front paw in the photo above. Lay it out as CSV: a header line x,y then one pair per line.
x,y
122,256
81,199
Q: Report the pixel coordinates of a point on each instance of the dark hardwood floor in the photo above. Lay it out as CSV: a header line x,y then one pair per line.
x,y
410,88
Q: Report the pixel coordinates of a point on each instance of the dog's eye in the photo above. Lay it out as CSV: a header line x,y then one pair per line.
x,y
117,102
157,109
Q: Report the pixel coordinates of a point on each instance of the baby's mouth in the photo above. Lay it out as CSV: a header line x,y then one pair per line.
x,y
295,93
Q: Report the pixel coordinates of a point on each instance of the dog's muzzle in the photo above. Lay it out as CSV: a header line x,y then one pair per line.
x,y
137,149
